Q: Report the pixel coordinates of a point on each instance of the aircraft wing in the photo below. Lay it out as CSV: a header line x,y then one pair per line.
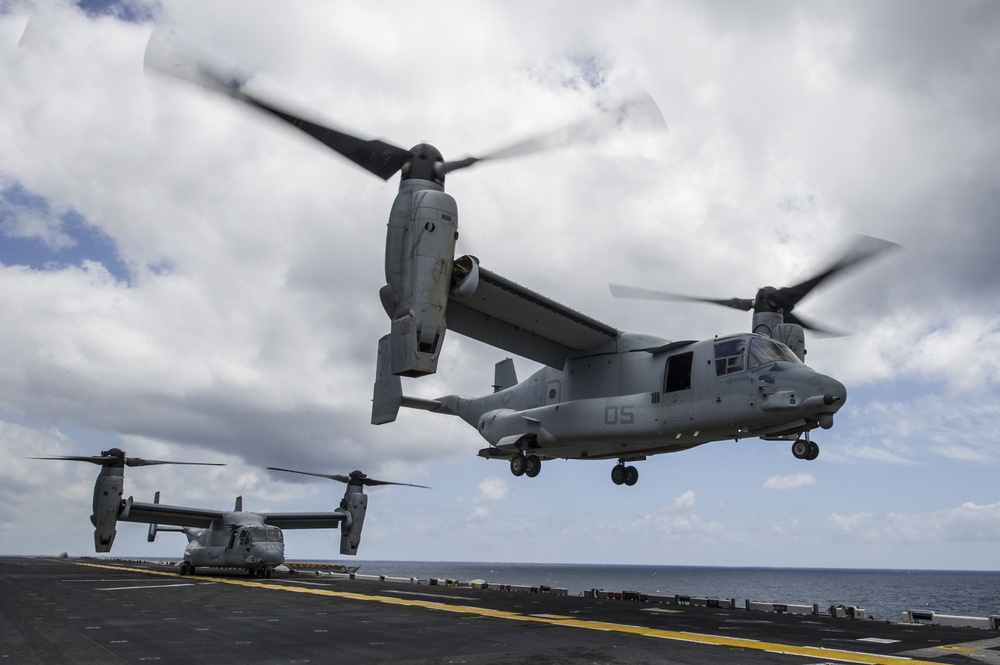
x,y
304,520
158,513
506,315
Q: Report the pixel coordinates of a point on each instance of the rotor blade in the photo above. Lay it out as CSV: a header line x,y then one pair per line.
x,y
638,111
620,291
372,481
375,156
862,249
337,477
138,461
808,325
93,459
346,479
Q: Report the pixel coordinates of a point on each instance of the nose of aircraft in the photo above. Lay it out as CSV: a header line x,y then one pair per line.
x,y
270,553
836,389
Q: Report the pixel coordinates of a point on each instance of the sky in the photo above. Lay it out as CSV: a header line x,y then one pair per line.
x,y
185,279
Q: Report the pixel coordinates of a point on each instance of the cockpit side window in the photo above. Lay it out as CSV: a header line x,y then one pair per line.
x,y
730,356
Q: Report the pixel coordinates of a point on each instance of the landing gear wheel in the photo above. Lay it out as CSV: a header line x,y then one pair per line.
x,y
813,451
631,475
518,464
532,466
618,474
800,448
185,568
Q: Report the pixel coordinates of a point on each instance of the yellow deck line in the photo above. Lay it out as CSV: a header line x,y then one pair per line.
x,y
699,638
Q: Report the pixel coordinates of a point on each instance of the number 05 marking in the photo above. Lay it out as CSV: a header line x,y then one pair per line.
x,y
618,415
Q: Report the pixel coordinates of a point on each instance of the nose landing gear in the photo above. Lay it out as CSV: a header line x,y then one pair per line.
x,y
805,449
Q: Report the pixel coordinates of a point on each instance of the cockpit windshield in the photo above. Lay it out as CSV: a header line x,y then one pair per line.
x,y
731,354
270,534
764,351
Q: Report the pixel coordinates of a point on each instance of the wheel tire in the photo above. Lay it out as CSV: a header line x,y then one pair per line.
x,y
532,466
618,474
518,465
631,475
800,449
813,451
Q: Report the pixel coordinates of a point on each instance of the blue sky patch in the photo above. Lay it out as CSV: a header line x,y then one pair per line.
x,y
132,11
34,234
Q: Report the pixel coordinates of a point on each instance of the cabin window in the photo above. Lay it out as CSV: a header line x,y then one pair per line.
x,y
764,351
730,356
678,372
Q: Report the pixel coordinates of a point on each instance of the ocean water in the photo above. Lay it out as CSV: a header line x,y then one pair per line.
x,y
883,594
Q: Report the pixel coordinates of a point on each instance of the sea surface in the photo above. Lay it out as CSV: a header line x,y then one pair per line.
x,y
883,594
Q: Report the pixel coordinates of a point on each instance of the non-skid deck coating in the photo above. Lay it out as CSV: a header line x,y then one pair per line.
x,y
88,611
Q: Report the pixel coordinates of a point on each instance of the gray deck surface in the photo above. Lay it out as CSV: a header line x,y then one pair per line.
x,y
95,611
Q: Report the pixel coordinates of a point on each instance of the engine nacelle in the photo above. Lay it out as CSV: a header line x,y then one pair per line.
x,y
108,492
354,504
792,336
420,248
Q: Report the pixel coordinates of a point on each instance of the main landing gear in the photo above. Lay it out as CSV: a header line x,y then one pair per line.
x,y
187,568
525,465
624,475
805,449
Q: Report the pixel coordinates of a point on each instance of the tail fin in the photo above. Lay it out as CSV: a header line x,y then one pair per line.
x,y
388,395
156,528
504,375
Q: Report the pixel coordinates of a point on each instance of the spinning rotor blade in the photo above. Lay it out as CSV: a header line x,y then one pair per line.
x,y
771,299
863,248
620,291
639,110
378,157
355,475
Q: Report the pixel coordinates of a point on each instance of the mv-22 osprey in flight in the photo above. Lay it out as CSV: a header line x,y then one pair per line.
x,y
602,393
252,541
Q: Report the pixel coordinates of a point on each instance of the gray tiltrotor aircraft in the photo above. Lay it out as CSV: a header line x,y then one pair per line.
x,y
602,393
607,394
219,538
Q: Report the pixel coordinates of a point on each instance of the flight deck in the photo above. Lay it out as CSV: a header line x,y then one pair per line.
x,y
59,610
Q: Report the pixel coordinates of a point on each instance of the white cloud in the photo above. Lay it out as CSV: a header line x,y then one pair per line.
x,y
246,329
790,482
967,523
492,489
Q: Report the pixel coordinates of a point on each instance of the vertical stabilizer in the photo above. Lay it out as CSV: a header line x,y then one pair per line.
x,y
388,395
504,375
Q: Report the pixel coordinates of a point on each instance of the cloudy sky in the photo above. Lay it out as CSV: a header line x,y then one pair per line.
x,y
185,279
